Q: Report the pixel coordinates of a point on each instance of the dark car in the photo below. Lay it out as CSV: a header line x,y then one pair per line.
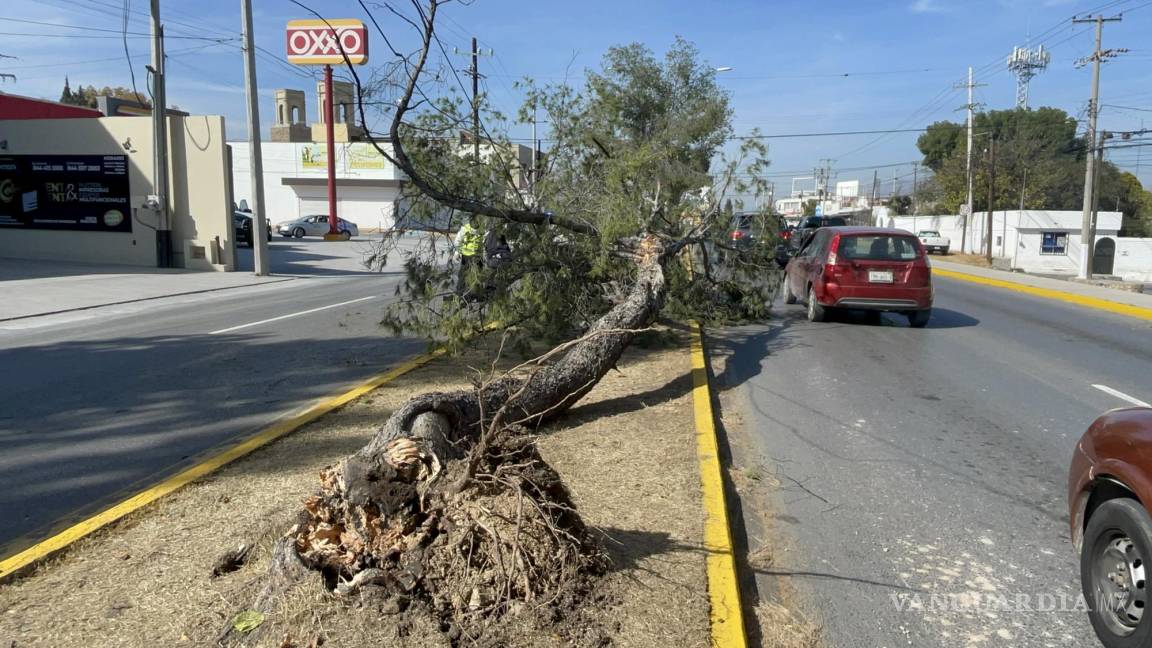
x,y
742,233
1109,484
242,221
809,225
861,268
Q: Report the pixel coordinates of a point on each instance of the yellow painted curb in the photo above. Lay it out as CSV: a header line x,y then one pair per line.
x,y
726,616
1072,298
42,550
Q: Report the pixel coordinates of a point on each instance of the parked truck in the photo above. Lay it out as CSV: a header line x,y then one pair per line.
x,y
933,242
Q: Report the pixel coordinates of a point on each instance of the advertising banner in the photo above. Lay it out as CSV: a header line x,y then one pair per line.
x,y
313,156
66,192
364,156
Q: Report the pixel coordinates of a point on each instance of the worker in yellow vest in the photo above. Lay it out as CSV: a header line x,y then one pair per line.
x,y
468,243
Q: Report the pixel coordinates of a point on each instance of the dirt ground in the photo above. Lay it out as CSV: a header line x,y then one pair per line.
x,y
627,452
967,259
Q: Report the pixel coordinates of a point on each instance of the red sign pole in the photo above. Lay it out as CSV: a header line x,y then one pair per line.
x,y
330,128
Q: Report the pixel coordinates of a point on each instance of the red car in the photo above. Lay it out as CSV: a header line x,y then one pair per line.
x,y
1109,486
861,268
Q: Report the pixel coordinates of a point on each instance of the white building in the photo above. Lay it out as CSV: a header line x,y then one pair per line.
x,y
296,181
1042,241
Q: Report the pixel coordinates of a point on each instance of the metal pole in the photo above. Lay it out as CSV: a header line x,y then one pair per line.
x,y
329,131
160,144
968,216
1089,170
991,199
255,157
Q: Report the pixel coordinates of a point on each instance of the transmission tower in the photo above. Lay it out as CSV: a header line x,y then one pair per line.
x,y
1026,63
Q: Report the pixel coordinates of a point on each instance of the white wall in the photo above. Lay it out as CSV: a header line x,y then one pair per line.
x,y
1133,259
364,206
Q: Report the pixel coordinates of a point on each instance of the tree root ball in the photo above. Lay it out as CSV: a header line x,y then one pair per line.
x,y
473,550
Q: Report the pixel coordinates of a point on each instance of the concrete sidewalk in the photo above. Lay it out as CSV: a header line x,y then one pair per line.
x,y
1071,287
30,288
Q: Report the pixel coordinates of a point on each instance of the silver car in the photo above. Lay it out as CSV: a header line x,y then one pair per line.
x,y
316,225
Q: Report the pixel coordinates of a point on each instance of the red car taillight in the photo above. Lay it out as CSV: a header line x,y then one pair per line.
x,y
737,235
786,235
833,267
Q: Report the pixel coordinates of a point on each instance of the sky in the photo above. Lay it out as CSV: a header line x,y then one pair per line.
x,y
797,67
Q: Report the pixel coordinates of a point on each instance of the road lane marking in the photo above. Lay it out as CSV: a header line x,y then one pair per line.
x,y
1072,298
34,554
291,315
725,615
1121,395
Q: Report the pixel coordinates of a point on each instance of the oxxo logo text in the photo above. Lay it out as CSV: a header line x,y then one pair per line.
x,y
319,42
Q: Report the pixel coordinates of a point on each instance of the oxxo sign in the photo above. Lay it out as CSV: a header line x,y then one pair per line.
x,y
319,42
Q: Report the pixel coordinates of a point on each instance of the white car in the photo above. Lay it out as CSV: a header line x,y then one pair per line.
x,y
316,225
933,242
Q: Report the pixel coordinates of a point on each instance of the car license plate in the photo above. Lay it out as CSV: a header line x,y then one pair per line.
x,y
880,276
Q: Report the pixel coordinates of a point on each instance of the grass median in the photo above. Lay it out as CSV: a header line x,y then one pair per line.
x,y
626,451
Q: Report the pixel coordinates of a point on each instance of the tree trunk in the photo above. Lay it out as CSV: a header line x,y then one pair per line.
x,y
381,512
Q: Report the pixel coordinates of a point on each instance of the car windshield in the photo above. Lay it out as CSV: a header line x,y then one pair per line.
x,y
813,221
929,233
881,247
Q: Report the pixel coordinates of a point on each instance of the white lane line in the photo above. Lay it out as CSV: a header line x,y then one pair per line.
x,y
1121,395
290,315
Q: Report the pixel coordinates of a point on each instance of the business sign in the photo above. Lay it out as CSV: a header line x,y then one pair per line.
x,y
325,42
65,192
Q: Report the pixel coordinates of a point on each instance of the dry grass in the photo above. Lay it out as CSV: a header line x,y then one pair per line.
x,y
968,259
627,452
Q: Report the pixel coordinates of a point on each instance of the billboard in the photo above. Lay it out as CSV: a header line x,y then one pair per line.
x,y
319,42
313,156
65,192
364,156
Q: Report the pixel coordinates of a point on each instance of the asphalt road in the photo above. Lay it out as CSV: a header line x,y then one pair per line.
x,y
907,463
95,404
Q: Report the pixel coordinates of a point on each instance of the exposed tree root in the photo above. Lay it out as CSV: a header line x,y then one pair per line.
x,y
450,506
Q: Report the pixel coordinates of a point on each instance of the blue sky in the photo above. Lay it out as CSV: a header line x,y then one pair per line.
x,y
788,58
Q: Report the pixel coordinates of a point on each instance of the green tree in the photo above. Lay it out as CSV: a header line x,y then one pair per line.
x,y
940,142
86,95
900,205
625,224
1039,158
808,208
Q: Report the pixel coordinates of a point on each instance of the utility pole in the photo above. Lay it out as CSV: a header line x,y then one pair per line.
x,y
1096,193
991,199
474,72
1087,243
160,143
475,100
535,158
255,157
969,107
893,194
915,187
875,185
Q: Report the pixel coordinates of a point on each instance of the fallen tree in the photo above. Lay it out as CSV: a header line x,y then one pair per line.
x,y
450,507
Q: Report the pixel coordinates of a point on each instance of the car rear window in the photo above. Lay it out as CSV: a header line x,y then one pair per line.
x,y
880,247
835,221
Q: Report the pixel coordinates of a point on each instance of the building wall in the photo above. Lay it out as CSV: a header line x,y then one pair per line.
x,y
1133,259
198,200
365,206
